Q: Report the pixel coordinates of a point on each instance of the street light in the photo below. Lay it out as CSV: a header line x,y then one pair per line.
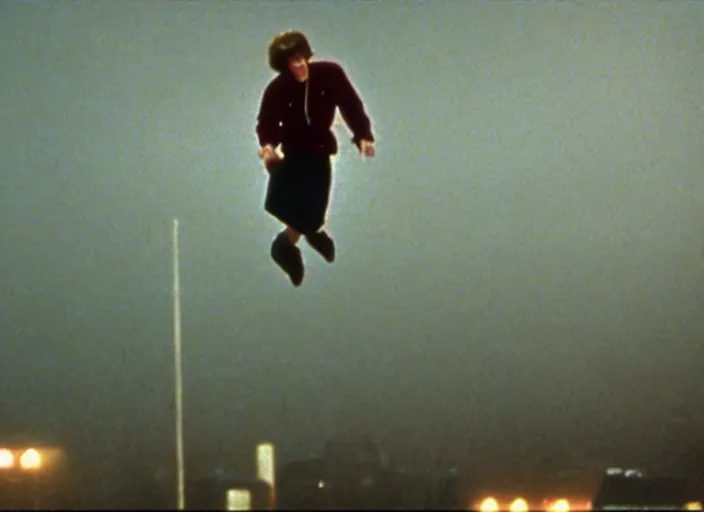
x,y
31,459
489,505
7,459
519,505
561,505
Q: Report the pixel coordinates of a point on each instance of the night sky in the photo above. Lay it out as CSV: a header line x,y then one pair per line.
x,y
520,272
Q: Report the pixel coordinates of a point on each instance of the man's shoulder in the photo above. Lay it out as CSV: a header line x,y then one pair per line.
x,y
325,64
275,82
328,67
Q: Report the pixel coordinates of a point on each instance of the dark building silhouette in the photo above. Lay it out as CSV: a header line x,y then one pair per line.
x,y
210,493
352,473
618,490
446,492
302,486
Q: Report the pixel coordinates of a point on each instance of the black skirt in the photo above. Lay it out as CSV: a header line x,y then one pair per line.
x,y
298,193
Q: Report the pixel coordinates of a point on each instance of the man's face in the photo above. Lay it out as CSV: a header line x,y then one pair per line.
x,y
298,67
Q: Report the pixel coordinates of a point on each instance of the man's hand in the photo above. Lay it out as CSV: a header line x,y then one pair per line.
x,y
269,155
367,148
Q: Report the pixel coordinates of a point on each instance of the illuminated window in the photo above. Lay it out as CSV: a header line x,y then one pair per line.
x,y
265,463
239,499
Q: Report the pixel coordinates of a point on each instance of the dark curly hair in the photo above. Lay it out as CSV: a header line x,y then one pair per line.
x,y
286,45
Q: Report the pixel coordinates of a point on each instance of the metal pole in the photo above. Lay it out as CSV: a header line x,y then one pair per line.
x,y
177,375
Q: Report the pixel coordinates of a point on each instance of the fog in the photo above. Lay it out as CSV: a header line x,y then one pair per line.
x,y
520,269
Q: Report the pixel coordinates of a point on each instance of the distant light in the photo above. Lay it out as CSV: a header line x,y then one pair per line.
x,y
7,459
30,459
265,463
321,484
693,505
560,506
519,505
614,471
239,499
489,505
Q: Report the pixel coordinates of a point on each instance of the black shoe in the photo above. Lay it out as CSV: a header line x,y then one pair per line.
x,y
322,243
288,257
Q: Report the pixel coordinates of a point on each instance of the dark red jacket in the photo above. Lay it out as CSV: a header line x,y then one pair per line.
x,y
299,116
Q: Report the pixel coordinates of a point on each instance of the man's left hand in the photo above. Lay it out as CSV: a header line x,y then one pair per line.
x,y
367,148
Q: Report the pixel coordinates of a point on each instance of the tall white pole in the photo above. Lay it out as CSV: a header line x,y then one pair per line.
x,y
177,375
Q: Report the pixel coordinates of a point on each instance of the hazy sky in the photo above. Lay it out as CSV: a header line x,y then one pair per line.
x,y
519,273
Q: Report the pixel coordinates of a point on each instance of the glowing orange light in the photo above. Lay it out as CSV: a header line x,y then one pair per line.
x,y
560,506
31,459
519,505
7,459
489,505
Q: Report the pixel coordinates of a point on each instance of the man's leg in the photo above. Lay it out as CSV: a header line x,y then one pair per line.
x,y
292,235
322,243
319,201
285,253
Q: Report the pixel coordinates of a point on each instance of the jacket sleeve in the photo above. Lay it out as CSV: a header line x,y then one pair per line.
x,y
268,120
352,108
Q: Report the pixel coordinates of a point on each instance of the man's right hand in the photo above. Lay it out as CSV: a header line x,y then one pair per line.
x,y
270,157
